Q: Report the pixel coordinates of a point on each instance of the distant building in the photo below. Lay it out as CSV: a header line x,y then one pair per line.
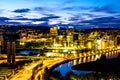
x,y
23,35
10,42
118,40
54,31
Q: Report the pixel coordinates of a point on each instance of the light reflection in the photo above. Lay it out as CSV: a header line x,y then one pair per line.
x,y
60,66
69,63
84,59
97,57
88,58
80,60
75,62
92,58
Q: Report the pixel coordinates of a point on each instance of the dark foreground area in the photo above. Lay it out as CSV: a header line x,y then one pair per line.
x,y
100,65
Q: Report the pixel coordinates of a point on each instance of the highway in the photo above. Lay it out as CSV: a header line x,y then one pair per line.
x,y
26,72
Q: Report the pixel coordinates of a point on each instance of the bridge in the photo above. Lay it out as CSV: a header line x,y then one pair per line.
x,y
37,70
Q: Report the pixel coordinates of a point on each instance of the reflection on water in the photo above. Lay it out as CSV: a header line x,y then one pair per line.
x,y
26,52
66,67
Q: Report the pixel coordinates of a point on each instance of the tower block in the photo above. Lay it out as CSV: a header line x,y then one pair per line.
x,y
11,52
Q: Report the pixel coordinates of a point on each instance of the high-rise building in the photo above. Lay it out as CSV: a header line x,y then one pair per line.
x,y
11,51
10,41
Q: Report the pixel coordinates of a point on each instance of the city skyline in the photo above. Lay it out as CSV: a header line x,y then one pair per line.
x,y
78,13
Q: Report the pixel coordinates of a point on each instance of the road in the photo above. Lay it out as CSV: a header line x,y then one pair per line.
x,y
26,72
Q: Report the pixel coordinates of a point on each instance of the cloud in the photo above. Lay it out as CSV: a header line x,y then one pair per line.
x,y
38,22
33,21
12,23
4,18
21,10
45,9
90,15
78,17
37,19
45,17
67,2
106,9
110,21
83,19
103,22
76,8
46,14
1,10
18,17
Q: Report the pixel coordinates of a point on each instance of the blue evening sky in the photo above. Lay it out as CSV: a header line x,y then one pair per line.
x,y
77,13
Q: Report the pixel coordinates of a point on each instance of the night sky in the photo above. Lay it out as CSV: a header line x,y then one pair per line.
x,y
78,13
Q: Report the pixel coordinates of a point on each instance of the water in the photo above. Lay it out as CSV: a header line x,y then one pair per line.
x,y
26,52
66,67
